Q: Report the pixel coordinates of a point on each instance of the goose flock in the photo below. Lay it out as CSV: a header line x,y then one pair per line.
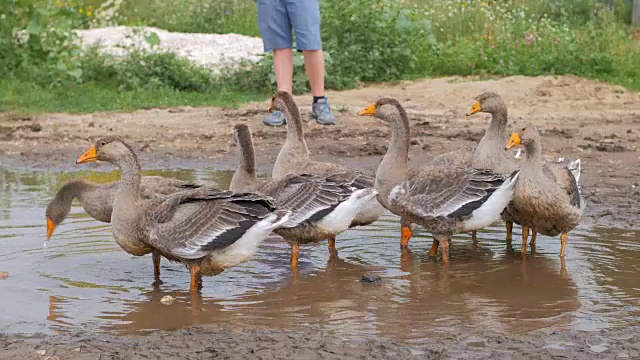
x,y
209,229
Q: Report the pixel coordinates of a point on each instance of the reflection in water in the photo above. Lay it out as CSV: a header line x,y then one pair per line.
x,y
83,279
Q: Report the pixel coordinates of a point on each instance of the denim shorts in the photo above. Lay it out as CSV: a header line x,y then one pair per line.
x,y
277,18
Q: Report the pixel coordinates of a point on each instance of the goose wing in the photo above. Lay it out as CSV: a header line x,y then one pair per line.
x,y
191,224
566,176
308,197
446,192
152,186
353,177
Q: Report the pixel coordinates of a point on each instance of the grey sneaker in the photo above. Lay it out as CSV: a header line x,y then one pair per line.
x,y
321,114
276,118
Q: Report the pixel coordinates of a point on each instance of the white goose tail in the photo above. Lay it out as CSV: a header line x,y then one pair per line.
x,y
491,209
341,217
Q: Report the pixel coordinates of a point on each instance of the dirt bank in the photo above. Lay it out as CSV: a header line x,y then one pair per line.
x,y
580,118
313,343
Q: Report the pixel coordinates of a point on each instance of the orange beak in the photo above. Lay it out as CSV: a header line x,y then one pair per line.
x,y
474,108
51,226
89,156
514,140
368,111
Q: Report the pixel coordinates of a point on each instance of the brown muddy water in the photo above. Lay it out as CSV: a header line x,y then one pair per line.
x,y
81,279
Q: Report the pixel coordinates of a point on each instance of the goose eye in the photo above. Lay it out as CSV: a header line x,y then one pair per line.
x,y
102,143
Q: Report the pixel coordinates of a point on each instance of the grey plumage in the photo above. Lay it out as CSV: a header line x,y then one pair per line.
x,y
207,229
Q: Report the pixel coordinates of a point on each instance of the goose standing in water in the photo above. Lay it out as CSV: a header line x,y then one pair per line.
x,y
546,201
444,199
321,207
97,201
491,153
208,230
293,158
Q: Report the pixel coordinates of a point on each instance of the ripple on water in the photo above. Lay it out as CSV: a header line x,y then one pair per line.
x,y
82,278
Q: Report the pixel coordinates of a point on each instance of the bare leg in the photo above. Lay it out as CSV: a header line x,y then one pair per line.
x,y
314,67
444,250
474,236
509,226
406,232
156,267
196,278
283,67
434,248
295,253
525,236
563,241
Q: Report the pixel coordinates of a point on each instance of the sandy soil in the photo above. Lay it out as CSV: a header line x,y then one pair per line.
x,y
597,122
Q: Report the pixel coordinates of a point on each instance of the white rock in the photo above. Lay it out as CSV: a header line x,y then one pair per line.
x,y
215,51
167,300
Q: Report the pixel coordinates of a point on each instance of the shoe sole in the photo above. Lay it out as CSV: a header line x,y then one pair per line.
x,y
319,122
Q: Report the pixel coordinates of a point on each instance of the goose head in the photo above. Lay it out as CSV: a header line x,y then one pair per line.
x,y
488,102
527,136
241,135
386,109
282,101
111,149
57,211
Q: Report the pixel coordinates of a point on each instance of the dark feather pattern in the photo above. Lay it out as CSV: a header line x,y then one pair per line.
x,y
192,223
453,193
308,197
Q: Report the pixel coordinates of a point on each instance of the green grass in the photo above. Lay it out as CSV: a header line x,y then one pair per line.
x,y
196,16
24,97
364,41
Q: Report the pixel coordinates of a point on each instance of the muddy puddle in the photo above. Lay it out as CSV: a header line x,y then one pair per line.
x,y
82,280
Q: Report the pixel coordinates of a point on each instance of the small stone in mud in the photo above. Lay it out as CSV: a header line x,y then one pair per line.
x,y
41,352
167,300
3,275
370,278
35,127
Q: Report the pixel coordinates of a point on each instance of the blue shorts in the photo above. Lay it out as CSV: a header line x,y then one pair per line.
x,y
276,18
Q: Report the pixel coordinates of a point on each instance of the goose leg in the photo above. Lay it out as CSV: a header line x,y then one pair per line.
x,y
196,278
295,253
156,268
509,226
534,232
444,250
474,236
563,241
332,246
406,235
525,236
434,248
405,260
